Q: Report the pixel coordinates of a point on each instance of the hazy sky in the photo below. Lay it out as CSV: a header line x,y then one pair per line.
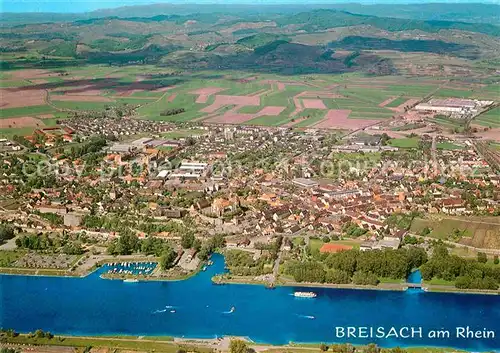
x,y
74,6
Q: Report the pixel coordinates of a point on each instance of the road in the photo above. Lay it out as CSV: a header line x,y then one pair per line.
x,y
433,154
277,266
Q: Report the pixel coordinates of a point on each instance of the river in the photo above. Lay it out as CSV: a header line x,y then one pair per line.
x,y
197,308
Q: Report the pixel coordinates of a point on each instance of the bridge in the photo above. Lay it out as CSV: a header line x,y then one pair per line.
x,y
413,285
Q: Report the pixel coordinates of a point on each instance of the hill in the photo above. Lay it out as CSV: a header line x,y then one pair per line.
x,y
262,39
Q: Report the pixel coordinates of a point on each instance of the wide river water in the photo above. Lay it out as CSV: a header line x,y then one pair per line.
x,y
197,308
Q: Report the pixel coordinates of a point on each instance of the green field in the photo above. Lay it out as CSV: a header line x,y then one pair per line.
x,y
183,133
26,111
490,119
7,258
447,122
410,142
311,120
397,102
13,83
160,344
448,146
82,105
8,133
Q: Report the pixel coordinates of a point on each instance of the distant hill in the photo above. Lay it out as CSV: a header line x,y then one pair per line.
x,y
324,19
283,39
463,12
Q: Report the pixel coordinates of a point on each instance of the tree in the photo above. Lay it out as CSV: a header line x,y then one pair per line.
x,y
398,350
196,244
481,257
187,240
167,258
9,350
6,233
204,253
238,346
495,260
125,245
372,348
218,241
323,347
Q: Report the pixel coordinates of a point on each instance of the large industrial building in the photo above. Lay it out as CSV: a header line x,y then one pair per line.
x,y
453,105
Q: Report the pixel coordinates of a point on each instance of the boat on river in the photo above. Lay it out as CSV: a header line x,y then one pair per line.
x,y
130,280
305,294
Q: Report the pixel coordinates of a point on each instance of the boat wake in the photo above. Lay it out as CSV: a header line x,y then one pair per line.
x,y
167,307
230,311
310,317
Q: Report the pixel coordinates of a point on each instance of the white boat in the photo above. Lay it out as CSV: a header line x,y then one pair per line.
x,y
130,280
305,294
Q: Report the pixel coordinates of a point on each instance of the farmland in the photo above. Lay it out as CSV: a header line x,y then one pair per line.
x,y
347,101
405,142
480,232
490,118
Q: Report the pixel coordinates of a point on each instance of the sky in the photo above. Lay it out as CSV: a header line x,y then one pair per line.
x,y
79,6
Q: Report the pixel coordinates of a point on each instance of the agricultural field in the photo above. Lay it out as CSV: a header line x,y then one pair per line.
x,y
34,98
480,232
410,142
489,119
448,146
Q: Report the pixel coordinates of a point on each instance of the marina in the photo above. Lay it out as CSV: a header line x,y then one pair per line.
x,y
129,268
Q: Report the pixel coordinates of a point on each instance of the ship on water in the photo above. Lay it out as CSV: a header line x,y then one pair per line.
x,y
305,294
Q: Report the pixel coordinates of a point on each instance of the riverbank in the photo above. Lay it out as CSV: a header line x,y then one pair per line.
x,y
96,263
451,289
224,279
387,286
167,344
287,283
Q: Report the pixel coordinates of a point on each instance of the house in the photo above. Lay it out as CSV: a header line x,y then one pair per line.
x,y
294,229
305,183
171,213
453,206
367,245
287,244
61,210
280,214
400,234
191,254
367,140
389,243
244,243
